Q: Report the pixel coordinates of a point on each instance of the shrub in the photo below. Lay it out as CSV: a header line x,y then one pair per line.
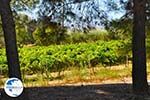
x,y
59,57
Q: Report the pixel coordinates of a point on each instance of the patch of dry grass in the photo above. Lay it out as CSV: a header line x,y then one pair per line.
x,y
114,74
83,75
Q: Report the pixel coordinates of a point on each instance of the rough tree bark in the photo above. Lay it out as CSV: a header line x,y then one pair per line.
x,y
8,26
139,73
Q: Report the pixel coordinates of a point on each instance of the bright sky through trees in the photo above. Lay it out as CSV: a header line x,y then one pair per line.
x,y
33,12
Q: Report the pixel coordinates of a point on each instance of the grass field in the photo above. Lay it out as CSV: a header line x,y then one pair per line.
x,y
77,75
100,75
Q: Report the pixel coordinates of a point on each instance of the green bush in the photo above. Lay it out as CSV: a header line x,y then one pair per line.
x,y
91,36
148,47
59,57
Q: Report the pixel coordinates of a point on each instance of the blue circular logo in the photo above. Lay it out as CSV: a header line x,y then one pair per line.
x,y
13,87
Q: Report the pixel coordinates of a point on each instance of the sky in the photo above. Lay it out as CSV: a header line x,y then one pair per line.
x,y
112,14
33,12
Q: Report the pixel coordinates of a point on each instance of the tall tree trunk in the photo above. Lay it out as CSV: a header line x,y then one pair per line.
x,y
8,26
139,75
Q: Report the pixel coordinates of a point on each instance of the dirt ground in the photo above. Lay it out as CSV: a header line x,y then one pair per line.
x,y
117,91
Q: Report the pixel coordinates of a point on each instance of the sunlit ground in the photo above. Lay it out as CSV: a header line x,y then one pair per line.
x,y
82,76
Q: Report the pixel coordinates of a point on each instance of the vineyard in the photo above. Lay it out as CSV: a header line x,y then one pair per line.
x,y
39,59
74,49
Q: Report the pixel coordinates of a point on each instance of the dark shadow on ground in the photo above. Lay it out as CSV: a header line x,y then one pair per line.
x,y
88,92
